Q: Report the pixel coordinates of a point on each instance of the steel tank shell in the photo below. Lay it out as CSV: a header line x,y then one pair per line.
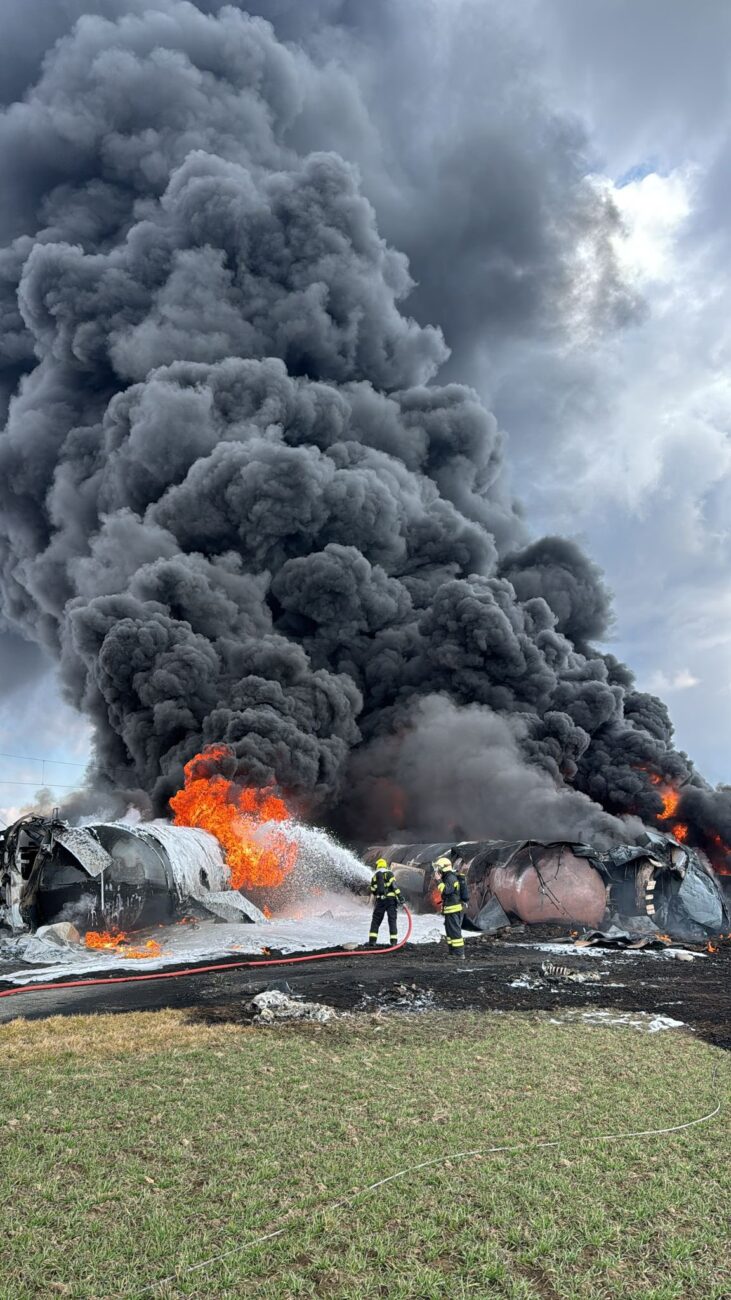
x,y
131,891
148,869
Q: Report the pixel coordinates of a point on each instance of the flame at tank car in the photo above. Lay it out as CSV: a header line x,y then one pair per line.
x,y
104,875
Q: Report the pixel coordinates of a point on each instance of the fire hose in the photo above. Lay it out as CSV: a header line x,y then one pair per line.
x,y
217,966
410,1170
477,1153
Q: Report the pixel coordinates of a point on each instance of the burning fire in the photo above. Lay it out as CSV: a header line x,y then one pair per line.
x,y
117,941
670,800
258,854
715,847
720,855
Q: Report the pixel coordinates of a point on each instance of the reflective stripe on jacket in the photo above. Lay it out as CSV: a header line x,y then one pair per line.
x,y
383,884
451,891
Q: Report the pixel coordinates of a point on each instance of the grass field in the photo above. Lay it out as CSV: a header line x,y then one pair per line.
x,y
135,1146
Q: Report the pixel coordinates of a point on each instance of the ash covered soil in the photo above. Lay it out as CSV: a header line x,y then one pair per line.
x,y
497,975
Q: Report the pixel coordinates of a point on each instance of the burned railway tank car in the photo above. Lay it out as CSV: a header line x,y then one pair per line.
x,y
538,883
103,875
133,889
668,885
657,885
530,881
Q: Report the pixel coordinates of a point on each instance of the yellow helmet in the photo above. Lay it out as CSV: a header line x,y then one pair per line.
x,y
381,864
443,864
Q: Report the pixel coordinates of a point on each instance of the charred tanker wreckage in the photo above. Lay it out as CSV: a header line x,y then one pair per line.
x,y
112,875
655,887
126,877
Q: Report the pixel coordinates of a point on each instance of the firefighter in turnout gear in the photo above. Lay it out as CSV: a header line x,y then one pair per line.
x,y
452,885
387,896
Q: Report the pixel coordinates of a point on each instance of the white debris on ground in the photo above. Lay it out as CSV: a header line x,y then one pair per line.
x,y
273,1005
62,933
51,942
399,997
526,982
642,1021
346,921
230,905
566,950
554,972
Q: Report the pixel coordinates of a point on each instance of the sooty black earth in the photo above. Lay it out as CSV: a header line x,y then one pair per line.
x,y
697,992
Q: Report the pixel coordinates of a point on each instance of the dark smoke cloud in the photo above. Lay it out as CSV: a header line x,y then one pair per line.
x,y
488,752
474,173
236,507
20,662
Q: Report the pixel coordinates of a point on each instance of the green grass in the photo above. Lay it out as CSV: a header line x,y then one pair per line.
x,y
137,1145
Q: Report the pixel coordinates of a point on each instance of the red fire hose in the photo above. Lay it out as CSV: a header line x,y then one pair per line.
x,y
200,970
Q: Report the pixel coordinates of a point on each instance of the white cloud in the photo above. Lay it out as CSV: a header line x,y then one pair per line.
x,y
653,209
662,683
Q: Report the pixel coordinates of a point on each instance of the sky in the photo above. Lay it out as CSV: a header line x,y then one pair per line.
x,y
651,502
603,352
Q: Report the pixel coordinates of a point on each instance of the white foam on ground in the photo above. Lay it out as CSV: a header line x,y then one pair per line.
x,y
210,940
568,950
561,949
643,1022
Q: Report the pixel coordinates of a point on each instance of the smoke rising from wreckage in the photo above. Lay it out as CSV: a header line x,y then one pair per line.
x,y
235,507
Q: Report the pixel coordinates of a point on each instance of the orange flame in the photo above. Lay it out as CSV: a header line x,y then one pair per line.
x,y
237,816
670,800
117,941
435,899
711,947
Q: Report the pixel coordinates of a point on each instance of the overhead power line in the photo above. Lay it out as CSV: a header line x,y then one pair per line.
x,y
42,779
32,758
34,785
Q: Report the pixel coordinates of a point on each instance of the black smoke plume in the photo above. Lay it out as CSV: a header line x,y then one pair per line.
x,y
236,507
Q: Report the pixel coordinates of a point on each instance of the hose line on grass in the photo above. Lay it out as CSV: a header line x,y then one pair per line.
x,y
410,1170
475,1154
217,966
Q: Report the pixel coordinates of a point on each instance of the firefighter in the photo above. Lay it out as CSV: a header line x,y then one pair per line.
x,y
387,896
452,885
